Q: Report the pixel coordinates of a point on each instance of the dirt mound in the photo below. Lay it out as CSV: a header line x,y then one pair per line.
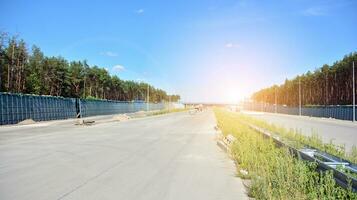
x,y
122,117
140,114
26,122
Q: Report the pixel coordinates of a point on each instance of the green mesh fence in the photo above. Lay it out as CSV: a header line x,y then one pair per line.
x,y
344,112
15,108
103,107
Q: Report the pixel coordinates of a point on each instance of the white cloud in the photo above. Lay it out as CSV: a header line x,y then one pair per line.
x,y
139,11
109,54
118,68
315,11
231,45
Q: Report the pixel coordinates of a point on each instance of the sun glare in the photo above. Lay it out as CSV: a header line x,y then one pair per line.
x,y
232,95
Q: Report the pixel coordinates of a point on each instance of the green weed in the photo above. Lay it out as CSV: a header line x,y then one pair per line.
x,y
274,172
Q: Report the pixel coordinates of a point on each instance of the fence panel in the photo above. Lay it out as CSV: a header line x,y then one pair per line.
x,y
344,112
107,107
18,107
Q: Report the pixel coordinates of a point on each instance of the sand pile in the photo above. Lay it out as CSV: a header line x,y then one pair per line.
x,y
27,122
122,117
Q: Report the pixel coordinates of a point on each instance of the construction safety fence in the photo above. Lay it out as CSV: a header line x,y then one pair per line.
x,y
15,108
343,112
101,107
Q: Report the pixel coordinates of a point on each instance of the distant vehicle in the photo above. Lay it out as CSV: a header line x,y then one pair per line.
x,y
196,108
199,107
234,108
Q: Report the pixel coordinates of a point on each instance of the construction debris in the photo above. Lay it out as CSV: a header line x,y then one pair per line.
x,y
85,122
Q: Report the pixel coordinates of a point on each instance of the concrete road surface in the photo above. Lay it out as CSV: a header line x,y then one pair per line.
x,y
340,132
171,156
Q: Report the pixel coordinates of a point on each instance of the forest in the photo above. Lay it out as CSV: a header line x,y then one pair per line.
x,y
327,85
31,72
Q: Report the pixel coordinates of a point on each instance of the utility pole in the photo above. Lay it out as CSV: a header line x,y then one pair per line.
x,y
276,102
2,35
147,98
169,102
353,93
326,95
299,96
84,89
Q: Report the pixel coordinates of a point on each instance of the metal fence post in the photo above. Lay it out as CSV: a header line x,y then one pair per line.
x,y
276,102
1,109
353,93
299,96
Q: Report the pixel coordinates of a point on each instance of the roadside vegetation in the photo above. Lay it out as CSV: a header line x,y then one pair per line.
x,y
274,173
296,139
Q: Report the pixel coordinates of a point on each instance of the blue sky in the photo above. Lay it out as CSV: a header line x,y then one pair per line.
x,y
211,51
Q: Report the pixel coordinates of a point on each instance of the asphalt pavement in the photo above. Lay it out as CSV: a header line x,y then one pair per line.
x,y
172,156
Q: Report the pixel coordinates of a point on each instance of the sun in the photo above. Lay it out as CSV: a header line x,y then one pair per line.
x,y
232,95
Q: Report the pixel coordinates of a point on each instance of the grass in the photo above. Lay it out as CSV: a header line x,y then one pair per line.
x,y
296,139
274,172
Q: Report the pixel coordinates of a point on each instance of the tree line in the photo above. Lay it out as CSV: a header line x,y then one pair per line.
x,y
30,71
327,85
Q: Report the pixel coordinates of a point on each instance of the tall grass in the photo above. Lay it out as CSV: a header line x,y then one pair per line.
x,y
274,172
297,139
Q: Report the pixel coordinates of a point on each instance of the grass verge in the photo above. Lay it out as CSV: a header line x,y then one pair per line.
x,y
296,139
274,172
